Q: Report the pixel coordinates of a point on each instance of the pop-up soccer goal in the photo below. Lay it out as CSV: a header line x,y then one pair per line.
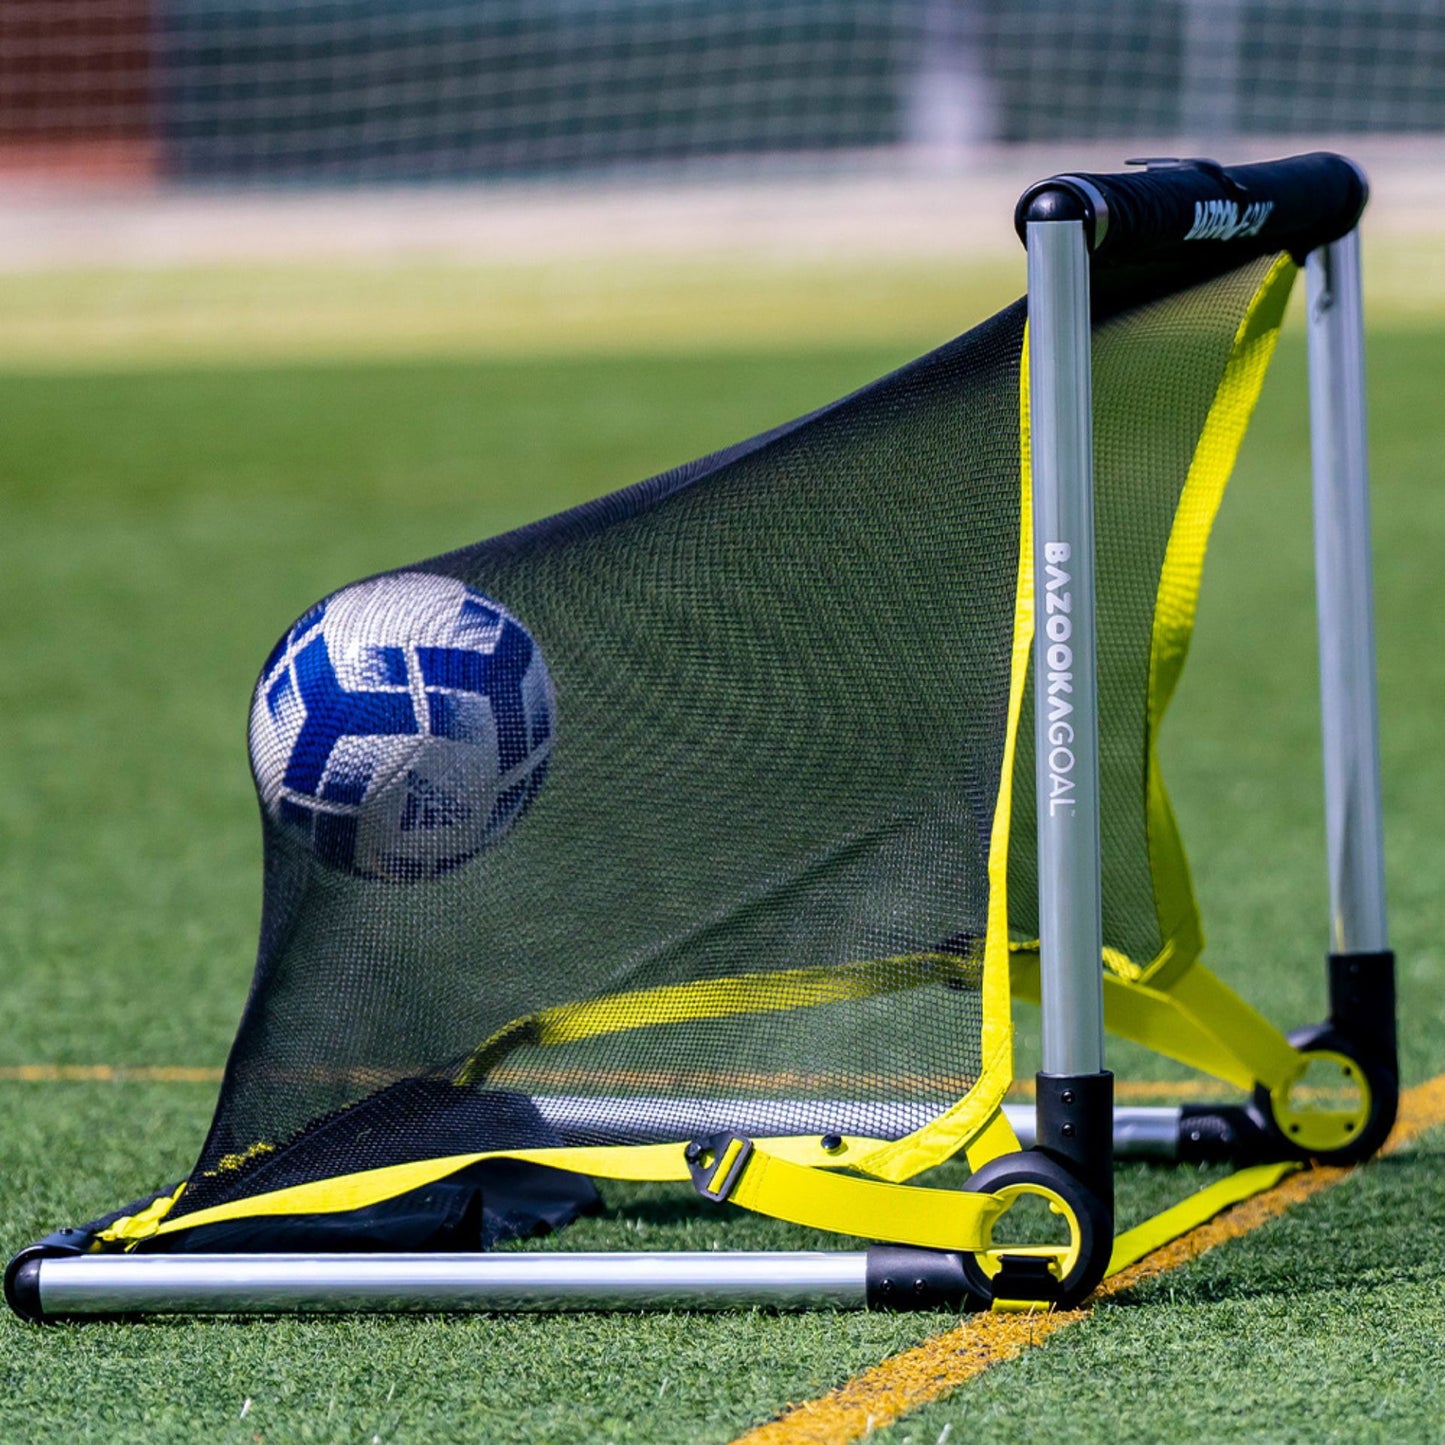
x,y
700,833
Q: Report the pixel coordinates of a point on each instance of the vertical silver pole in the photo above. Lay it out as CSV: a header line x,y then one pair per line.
x,y
1353,814
1065,681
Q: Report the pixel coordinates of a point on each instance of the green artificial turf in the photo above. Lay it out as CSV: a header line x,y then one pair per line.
x,y
158,529
1323,1326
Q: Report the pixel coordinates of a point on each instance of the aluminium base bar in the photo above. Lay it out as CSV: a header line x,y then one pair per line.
x,y
884,1277
1139,1132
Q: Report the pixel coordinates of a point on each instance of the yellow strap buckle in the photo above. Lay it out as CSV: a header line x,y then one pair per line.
x,y
716,1163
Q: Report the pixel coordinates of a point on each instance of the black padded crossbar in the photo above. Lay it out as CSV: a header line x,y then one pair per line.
x,y
1182,209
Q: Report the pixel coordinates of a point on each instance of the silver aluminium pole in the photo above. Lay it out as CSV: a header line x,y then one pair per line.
x,y
1343,580
1140,1131
1065,677
272,1283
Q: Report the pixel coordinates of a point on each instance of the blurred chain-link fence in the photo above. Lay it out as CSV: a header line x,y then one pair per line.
x,y
275,91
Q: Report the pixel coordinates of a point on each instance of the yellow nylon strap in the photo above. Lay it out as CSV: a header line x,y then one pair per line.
x,y
844,1204
1196,1019
637,1163
1115,961
1266,1053
1131,1246
993,1141
1180,931
782,1179
140,1226
717,998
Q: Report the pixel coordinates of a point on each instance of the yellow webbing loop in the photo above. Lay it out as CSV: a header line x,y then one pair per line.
x,y
656,1163
713,998
845,1204
1196,1019
993,1141
782,1179
1174,610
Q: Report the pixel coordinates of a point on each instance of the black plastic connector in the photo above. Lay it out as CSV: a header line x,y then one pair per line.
x,y
1075,1115
1362,1002
1039,1170
22,1286
1235,1134
903,1278
1051,201
1025,1279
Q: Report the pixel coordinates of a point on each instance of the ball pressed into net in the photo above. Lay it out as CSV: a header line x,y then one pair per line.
x,y
401,726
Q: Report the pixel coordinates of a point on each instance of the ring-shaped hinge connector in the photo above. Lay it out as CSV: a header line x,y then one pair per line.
x,y
1321,1130
1061,1257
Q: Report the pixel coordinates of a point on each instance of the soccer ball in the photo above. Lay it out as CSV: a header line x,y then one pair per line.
x,y
401,726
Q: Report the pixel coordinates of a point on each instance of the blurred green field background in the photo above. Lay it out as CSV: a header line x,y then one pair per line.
x,y
164,515
694,303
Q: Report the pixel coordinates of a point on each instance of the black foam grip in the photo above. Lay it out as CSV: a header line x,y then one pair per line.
x,y
1197,207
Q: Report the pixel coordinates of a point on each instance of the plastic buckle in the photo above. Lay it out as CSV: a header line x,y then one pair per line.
x,y
716,1165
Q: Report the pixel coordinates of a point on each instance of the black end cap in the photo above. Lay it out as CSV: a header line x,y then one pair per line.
x,y
1056,199
22,1286
22,1274
1225,1134
902,1278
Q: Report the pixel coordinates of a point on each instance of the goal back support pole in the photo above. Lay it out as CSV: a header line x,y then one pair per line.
x,y
1362,996
1075,1094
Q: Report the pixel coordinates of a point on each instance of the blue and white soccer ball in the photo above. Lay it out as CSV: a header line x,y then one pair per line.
x,y
401,726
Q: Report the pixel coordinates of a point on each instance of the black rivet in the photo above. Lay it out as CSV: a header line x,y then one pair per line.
x,y
694,1151
1067,1096
920,1286
832,1143
1067,1131
886,1287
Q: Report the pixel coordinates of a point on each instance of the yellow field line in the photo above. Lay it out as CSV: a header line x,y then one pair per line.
x,y
107,1074
940,1365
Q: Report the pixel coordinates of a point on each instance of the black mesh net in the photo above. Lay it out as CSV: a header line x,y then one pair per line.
x,y
675,811
745,721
